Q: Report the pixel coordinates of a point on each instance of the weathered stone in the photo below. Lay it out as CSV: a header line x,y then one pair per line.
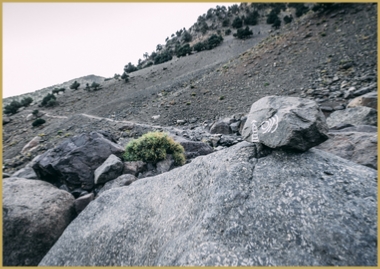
x,y
232,208
285,122
26,172
109,170
31,144
6,120
193,149
35,213
356,116
83,201
357,128
243,121
121,181
368,100
326,108
364,90
30,117
74,161
165,165
127,126
220,127
359,147
235,126
134,167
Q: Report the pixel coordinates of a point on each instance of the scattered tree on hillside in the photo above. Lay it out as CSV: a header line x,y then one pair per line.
x,y
186,37
227,32
233,9
146,55
95,86
288,19
129,68
163,57
125,77
300,8
237,23
12,107
75,85
26,101
38,122
183,50
251,18
209,44
243,33
226,22
277,23
49,100
57,90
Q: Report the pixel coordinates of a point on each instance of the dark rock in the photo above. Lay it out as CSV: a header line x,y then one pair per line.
x,y
364,90
227,141
83,201
339,107
220,127
359,147
6,120
35,214
193,149
235,126
76,192
165,165
242,123
356,116
121,181
134,168
231,208
285,122
357,128
327,108
74,161
109,170
6,175
127,126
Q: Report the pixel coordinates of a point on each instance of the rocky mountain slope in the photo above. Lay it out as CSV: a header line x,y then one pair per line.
x,y
303,206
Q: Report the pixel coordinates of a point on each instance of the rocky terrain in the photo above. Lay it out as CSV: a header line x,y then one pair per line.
x,y
248,114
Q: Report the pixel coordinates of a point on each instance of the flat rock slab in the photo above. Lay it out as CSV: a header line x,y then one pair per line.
x,y
35,213
231,208
285,122
360,115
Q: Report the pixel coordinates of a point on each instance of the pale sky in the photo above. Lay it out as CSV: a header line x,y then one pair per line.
x,y
50,43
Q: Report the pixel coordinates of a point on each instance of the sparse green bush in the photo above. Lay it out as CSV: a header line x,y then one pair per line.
x,y
125,77
38,122
35,112
288,19
214,41
46,100
252,18
199,46
129,68
57,90
51,103
163,57
95,86
153,147
226,23
12,107
227,32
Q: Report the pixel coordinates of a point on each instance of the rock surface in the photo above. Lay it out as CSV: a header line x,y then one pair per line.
x,y
109,170
285,122
360,115
221,127
368,100
31,144
193,148
235,207
74,161
35,213
359,147
121,181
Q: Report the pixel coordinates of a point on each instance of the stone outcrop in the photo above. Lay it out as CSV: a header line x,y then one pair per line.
x,y
360,115
221,127
242,206
121,181
74,161
368,100
285,122
35,213
31,144
193,148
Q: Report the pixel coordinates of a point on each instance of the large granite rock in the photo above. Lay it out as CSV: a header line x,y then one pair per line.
x,y
360,115
74,161
193,149
35,213
285,122
221,127
121,181
368,100
234,207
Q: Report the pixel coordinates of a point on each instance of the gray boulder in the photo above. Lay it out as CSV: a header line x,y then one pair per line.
x,y
359,147
31,145
121,181
83,201
360,115
35,213
221,127
109,170
26,172
285,122
74,161
165,165
193,148
234,207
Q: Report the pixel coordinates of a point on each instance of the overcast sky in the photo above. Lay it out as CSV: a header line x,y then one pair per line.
x,y
50,43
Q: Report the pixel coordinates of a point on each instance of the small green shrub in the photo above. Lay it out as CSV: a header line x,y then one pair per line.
x,y
75,86
35,112
26,101
38,122
46,100
12,107
153,147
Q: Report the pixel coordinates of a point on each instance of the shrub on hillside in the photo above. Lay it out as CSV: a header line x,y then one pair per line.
x,y
129,68
35,112
38,122
75,85
300,8
163,57
237,23
243,33
95,86
227,32
183,50
214,41
125,77
226,23
12,107
26,101
272,17
49,100
277,23
186,36
288,19
252,18
153,147
57,90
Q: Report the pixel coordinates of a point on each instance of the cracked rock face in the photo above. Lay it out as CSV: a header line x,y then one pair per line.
x,y
285,122
243,206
